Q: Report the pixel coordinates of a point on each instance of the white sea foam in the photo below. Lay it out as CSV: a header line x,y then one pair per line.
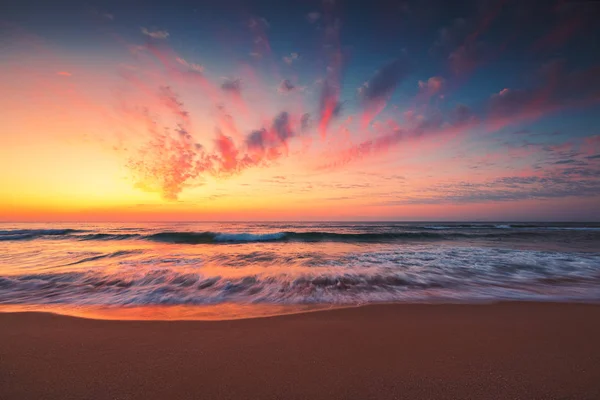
x,y
413,273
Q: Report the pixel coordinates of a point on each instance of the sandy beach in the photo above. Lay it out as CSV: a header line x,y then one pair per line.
x,y
500,351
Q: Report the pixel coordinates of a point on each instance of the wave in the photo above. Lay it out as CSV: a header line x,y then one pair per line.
x,y
214,237
39,231
438,273
411,233
360,237
109,236
119,253
310,237
218,237
24,234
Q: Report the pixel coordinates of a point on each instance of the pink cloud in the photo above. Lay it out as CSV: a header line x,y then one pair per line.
x,y
289,60
433,85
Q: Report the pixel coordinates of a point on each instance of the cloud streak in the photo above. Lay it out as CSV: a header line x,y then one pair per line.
x,y
377,91
158,34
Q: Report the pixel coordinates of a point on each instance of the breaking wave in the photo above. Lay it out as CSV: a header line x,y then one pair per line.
x,y
425,233
218,237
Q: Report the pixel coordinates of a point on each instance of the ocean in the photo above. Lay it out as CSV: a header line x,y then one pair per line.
x,y
236,269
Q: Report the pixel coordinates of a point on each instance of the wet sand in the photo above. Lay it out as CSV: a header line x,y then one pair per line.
x,y
500,351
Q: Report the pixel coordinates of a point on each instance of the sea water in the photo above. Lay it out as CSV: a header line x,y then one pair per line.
x,y
232,270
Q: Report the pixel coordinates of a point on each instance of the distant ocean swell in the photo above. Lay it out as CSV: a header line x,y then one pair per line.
x,y
414,274
413,233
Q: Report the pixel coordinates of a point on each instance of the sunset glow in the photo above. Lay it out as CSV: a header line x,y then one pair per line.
x,y
290,113
299,199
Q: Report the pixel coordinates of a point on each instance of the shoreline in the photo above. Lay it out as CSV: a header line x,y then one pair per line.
x,y
503,350
176,313
233,311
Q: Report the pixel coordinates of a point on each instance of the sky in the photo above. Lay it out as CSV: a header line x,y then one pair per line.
x,y
304,110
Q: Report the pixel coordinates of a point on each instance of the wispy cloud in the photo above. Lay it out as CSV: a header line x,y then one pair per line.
x,y
377,91
157,34
286,86
289,60
193,67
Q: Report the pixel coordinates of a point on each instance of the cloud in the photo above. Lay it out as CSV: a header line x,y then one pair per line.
x,y
329,100
385,80
191,66
268,143
155,34
459,43
552,185
466,57
64,73
567,161
510,101
232,85
258,27
168,161
376,91
170,99
552,89
171,160
256,140
561,171
257,22
174,162
313,17
462,115
281,126
511,188
329,104
435,122
286,86
433,85
337,110
305,122
366,148
228,155
289,60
